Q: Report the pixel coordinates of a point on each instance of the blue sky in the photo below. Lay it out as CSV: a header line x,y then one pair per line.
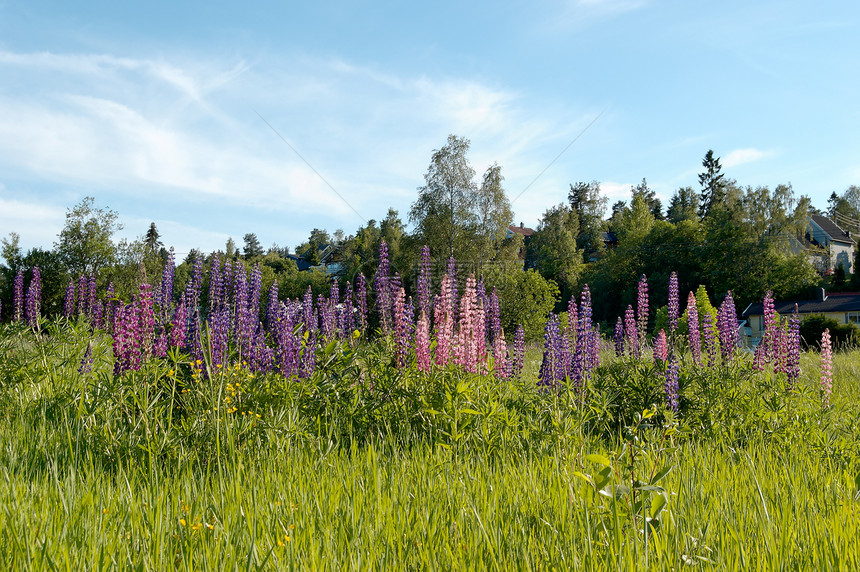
x,y
152,108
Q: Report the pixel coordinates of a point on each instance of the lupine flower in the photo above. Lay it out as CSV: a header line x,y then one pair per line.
x,y
34,299
422,343
672,398
110,307
710,341
727,325
219,331
327,325
308,361
402,334
424,282
500,356
587,343
519,352
361,301
551,367
467,347
216,286
86,364
346,316
180,324
759,358
91,298
83,296
826,367
308,311
630,333
661,347
642,309
69,300
768,338
444,322
146,319
480,335
618,337
98,314
164,296
673,302
572,317
272,306
255,287
382,287
781,349
494,316
693,334
793,360
18,298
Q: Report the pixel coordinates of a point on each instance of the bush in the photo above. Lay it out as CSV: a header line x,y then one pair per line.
x,y
843,335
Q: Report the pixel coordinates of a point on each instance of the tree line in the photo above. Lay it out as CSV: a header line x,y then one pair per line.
x,y
722,235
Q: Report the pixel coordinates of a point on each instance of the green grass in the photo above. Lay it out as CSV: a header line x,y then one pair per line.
x,y
152,472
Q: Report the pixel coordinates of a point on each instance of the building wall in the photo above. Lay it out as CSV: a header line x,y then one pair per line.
x,y
755,323
844,254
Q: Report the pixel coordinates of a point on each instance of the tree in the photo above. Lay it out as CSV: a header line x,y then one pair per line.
x,y
443,213
151,240
712,183
311,249
644,191
553,248
85,245
684,205
589,208
493,213
252,246
230,248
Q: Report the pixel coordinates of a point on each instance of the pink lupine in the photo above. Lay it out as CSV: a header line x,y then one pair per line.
x,y
422,343
500,356
444,322
642,308
826,367
661,347
466,350
630,333
401,329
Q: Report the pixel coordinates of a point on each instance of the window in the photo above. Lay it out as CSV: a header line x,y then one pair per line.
x,y
852,318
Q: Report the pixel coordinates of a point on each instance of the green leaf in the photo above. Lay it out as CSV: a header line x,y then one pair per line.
x,y
662,473
599,459
584,477
658,503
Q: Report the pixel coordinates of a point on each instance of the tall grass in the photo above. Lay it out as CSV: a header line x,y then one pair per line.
x,y
173,467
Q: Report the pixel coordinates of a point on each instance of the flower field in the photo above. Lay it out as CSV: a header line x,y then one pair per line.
x,y
221,427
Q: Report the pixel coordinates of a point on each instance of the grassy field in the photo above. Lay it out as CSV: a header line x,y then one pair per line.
x,y
368,467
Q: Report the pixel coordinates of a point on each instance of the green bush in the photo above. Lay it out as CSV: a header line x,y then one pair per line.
x,y
843,336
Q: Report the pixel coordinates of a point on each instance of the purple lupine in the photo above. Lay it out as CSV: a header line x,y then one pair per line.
x,y
631,337
693,335
642,308
226,290
146,321
727,324
424,282
345,317
661,347
327,323
494,316
618,337
124,338
242,323
361,301
216,286
673,302
91,299
164,295
86,364
308,318
551,367
109,307
480,327
308,355
672,370
69,300
572,317
272,306
402,334
793,359
826,367
781,349
219,331
287,343
34,299
519,353
255,289
382,288
83,296
98,314
768,338
18,297
709,339
586,344
180,324
759,355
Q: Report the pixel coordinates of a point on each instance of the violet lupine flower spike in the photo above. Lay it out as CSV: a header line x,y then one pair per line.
x,y
826,367
693,335
402,334
709,339
672,370
642,308
494,316
382,287
727,324
361,301
793,360
618,337
768,338
519,353
34,299
164,296
18,297
551,366
630,333
424,282
422,343
673,302
69,300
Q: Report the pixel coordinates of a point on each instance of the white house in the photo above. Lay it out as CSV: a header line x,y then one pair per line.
x,y
838,243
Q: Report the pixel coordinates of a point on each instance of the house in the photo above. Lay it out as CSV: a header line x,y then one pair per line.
x,y
521,230
837,243
844,307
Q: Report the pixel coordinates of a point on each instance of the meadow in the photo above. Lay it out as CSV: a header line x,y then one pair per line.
x,y
341,448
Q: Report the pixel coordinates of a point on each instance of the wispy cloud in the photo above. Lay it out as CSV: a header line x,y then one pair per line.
x,y
741,156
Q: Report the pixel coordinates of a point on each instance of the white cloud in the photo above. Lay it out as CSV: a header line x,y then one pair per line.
x,y
37,223
741,156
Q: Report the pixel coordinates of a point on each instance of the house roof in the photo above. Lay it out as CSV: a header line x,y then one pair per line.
x,y
832,229
300,262
523,230
838,302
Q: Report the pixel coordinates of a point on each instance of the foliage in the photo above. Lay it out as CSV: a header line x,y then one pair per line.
x,y
553,248
844,336
85,244
525,297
